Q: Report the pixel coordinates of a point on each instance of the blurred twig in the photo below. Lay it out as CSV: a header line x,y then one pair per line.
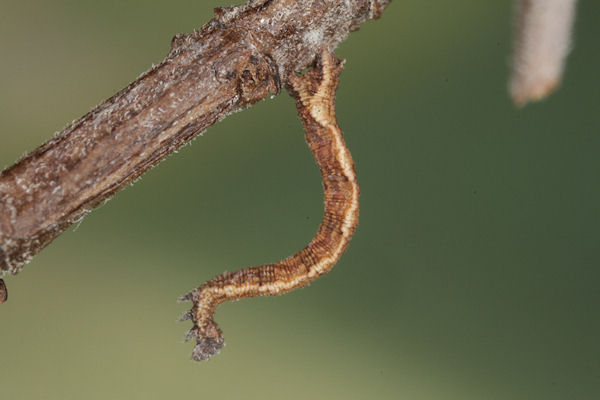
x,y
542,42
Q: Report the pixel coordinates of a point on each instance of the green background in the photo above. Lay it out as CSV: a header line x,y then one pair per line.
x,y
473,273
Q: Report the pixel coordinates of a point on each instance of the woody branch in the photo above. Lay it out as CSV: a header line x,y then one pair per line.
x,y
238,58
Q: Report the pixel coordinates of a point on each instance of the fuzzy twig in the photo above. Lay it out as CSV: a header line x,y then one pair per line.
x,y
542,42
238,58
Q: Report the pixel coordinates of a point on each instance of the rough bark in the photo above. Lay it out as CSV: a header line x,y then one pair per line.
x,y
238,58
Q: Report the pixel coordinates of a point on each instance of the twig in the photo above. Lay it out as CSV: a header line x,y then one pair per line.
x,y
233,61
542,42
3,292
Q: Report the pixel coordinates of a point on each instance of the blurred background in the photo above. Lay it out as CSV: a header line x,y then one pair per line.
x,y
473,273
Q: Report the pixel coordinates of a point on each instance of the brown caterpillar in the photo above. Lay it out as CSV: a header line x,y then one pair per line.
x,y
315,97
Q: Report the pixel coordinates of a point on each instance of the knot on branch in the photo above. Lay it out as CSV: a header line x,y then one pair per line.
x,y
257,78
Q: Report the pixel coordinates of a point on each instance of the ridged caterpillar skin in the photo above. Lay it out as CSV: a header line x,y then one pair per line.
x,y
314,93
